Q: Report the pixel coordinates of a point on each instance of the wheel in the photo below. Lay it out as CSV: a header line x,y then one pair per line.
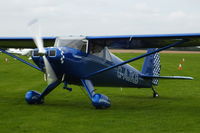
x,y
101,101
33,97
155,95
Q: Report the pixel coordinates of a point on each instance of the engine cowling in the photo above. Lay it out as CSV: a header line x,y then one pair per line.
x,y
101,101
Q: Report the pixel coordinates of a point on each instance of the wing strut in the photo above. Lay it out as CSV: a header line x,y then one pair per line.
x,y
136,58
19,59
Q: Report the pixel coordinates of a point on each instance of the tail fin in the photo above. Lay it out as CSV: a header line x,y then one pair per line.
x,y
152,65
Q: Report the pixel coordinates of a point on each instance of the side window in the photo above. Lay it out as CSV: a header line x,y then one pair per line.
x,y
52,53
100,51
35,53
95,49
84,47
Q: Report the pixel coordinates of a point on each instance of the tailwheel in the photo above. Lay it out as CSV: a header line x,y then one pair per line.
x,y
33,97
155,94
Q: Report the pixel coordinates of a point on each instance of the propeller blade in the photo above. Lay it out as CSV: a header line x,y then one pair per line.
x,y
39,43
51,76
34,28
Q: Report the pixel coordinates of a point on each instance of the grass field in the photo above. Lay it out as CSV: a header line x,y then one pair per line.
x,y
133,110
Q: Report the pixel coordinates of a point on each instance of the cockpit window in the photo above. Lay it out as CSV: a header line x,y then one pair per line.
x,y
79,43
100,51
52,53
84,47
35,53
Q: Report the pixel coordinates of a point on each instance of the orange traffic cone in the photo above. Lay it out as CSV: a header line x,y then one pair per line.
x,y
180,67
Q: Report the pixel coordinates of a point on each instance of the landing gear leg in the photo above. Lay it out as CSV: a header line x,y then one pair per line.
x,y
99,101
67,88
155,94
33,97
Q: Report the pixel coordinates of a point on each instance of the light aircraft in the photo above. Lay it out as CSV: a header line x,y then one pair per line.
x,y
87,61
19,51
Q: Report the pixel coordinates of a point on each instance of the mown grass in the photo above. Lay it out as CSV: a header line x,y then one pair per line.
x,y
133,110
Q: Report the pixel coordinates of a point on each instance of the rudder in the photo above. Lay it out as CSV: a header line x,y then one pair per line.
x,y
152,65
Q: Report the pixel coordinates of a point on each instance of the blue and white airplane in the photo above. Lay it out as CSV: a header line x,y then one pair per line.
x,y
87,61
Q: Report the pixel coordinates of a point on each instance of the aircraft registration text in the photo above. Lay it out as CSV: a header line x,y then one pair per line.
x,y
127,75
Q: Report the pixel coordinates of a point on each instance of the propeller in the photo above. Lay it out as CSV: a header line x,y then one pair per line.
x,y
50,74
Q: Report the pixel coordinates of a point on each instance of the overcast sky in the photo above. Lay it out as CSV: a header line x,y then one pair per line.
x,y
100,17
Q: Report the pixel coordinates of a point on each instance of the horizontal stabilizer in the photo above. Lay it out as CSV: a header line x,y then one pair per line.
x,y
167,77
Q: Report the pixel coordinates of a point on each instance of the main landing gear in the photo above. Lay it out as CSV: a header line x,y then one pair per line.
x,y
99,101
155,94
33,97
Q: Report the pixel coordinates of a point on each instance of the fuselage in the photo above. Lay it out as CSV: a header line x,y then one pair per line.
x,y
71,65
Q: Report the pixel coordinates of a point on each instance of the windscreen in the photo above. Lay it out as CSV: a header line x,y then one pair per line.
x,y
79,43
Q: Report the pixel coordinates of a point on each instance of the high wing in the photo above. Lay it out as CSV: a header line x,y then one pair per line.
x,y
24,42
144,41
121,42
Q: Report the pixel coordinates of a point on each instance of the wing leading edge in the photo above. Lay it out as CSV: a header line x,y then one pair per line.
x,y
122,42
24,42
